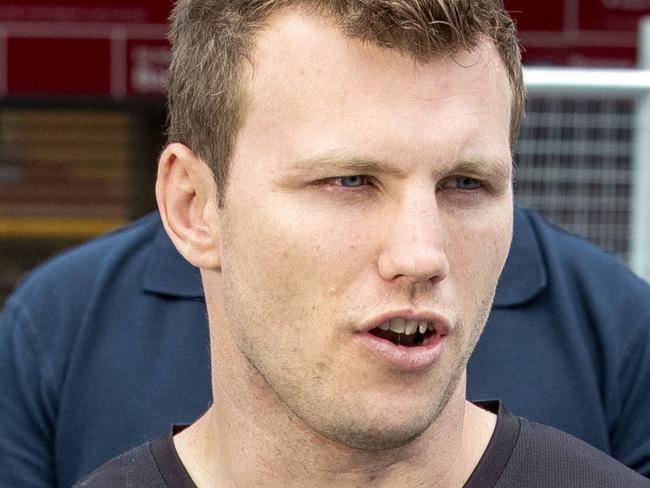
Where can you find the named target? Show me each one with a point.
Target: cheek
(477, 251)
(291, 253)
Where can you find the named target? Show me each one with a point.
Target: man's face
(366, 191)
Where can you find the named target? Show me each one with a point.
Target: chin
(380, 420)
(381, 435)
(375, 425)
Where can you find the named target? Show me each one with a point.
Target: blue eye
(467, 183)
(353, 181)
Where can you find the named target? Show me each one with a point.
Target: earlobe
(187, 200)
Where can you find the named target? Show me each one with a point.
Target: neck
(250, 438)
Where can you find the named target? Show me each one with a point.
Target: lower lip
(402, 357)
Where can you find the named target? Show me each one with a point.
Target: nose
(414, 250)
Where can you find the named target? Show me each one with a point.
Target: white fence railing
(584, 154)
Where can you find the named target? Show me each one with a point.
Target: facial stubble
(329, 420)
(379, 438)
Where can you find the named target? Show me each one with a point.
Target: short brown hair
(211, 39)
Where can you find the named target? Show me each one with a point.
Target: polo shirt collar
(523, 277)
(168, 273)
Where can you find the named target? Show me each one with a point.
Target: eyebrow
(497, 169)
(342, 162)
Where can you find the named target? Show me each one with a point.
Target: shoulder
(62, 289)
(133, 469)
(571, 267)
(578, 257)
(81, 264)
(74, 331)
(43, 317)
(544, 456)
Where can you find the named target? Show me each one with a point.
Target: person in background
(105, 347)
(346, 193)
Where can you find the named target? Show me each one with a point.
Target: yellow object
(60, 227)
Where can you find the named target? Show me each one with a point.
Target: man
(340, 172)
(102, 348)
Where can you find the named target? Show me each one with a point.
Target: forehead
(294, 43)
(308, 76)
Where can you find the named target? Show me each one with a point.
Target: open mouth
(406, 333)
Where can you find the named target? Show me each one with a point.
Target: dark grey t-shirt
(152, 465)
(521, 454)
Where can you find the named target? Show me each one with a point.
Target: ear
(187, 199)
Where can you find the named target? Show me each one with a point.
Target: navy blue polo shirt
(106, 346)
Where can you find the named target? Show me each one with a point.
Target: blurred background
(82, 120)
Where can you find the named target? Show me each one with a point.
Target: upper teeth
(403, 326)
